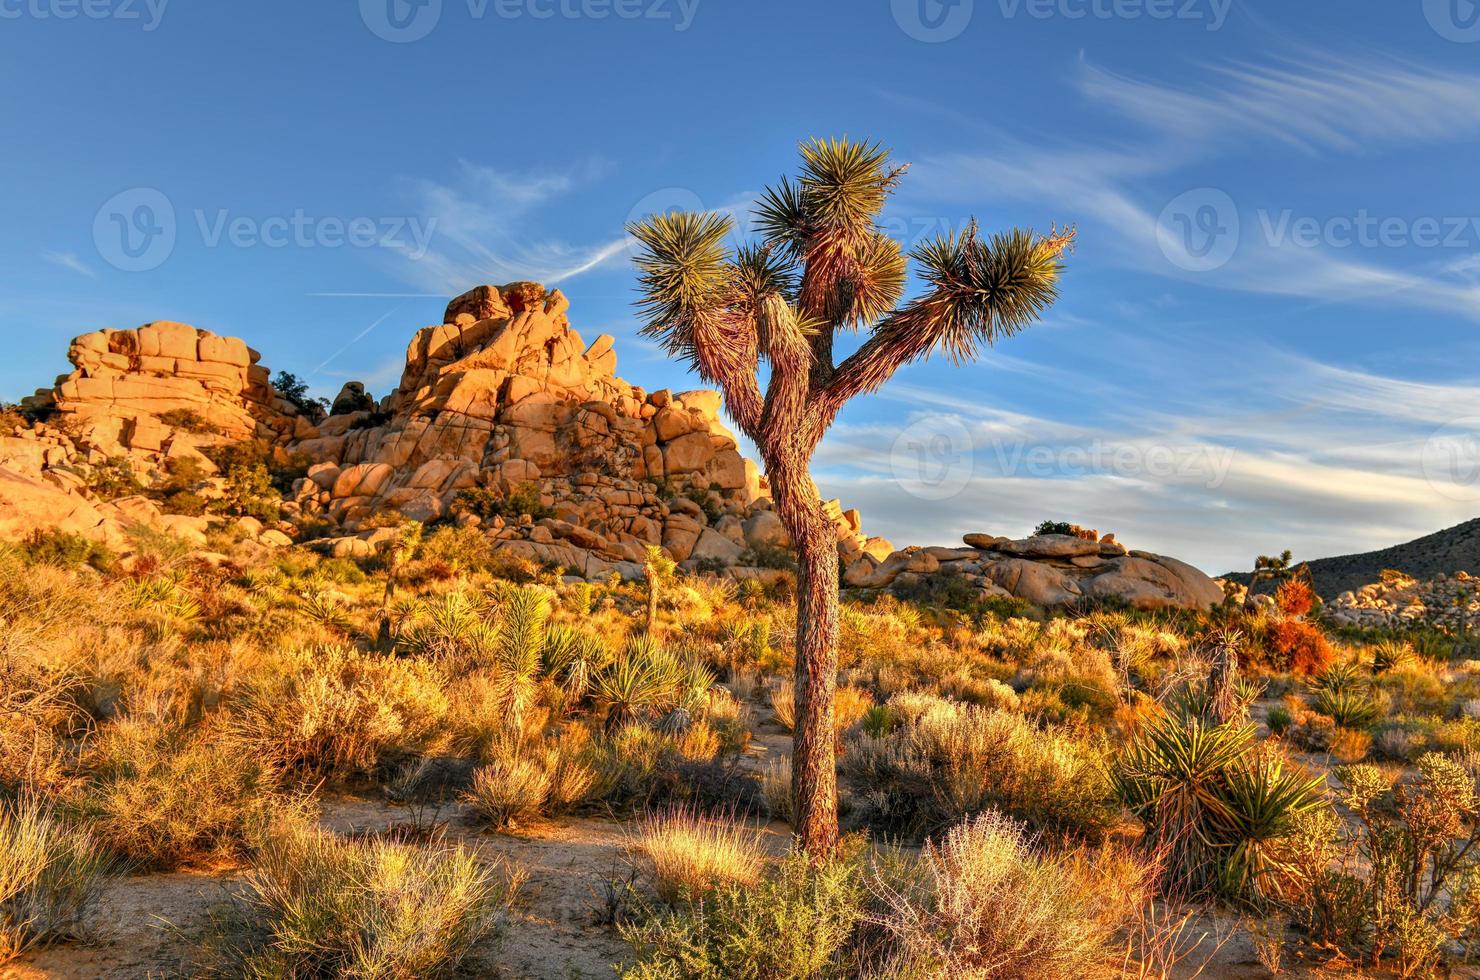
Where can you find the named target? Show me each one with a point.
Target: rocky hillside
(506, 421)
(1447, 552)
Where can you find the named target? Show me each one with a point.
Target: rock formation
(505, 419)
(1448, 602)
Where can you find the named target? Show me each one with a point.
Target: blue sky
(1267, 337)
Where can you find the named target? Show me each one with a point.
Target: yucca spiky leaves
(1214, 802)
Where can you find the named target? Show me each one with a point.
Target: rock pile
(148, 397)
(1047, 570)
(1448, 602)
(506, 398)
(129, 384)
(506, 420)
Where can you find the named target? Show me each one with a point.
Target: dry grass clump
(990, 906)
(51, 874)
(940, 762)
(687, 855)
(338, 712)
(776, 788)
(323, 906)
(849, 706)
(522, 782)
(162, 796)
(800, 920)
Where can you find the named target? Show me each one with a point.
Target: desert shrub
(1349, 745)
(1295, 598)
(638, 767)
(189, 420)
(51, 875)
(1215, 802)
(944, 761)
(163, 796)
(799, 921)
(989, 905)
(1299, 647)
(113, 478)
(295, 390)
(1279, 719)
(687, 855)
(1409, 887)
(490, 502)
(339, 712)
(38, 711)
(522, 782)
(1055, 527)
(63, 550)
(321, 906)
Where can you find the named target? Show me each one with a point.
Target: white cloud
(69, 260)
(1316, 103)
(1325, 461)
(483, 233)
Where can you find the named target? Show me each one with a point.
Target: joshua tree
(824, 266)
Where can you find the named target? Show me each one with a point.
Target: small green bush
(488, 503)
(799, 922)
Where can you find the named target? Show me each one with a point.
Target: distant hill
(1454, 549)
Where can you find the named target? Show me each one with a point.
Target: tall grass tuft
(688, 855)
(51, 874)
(326, 906)
(990, 906)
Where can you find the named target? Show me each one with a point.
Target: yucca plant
(823, 265)
(1213, 802)
(643, 680)
(1349, 707)
(1391, 654)
(572, 657)
(453, 626)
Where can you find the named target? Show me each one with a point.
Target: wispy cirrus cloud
(1327, 460)
(1316, 104)
(69, 261)
(482, 232)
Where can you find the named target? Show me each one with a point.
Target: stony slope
(1454, 549)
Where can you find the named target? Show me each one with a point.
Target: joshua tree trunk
(813, 761)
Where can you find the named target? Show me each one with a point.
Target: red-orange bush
(1295, 598)
(1300, 647)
